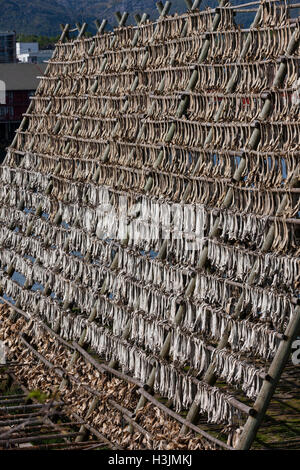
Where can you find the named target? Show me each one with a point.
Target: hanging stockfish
(234, 371)
(213, 402)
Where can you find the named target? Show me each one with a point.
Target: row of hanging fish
(130, 292)
(105, 222)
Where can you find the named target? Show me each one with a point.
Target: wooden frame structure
(187, 115)
(26, 424)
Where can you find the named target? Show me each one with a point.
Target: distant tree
(45, 42)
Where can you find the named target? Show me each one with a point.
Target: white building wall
(26, 47)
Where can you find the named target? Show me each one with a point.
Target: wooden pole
(210, 376)
(182, 420)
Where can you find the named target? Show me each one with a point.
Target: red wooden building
(20, 82)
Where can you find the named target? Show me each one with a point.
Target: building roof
(21, 76)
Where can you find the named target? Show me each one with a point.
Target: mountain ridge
(43, 18)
